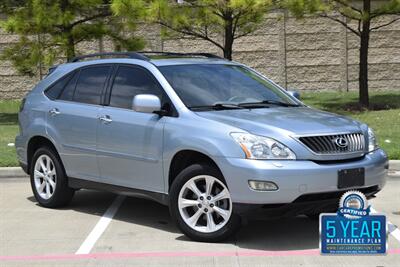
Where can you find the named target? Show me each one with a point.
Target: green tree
(364, 13)
(219, 22)
(50, 29)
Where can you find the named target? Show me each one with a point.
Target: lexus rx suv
(213, 139)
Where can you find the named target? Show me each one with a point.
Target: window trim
(107, 97)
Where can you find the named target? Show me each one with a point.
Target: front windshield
(201, 85)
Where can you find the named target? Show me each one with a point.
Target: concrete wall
(308, 54)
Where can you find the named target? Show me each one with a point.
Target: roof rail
(142, 55)
(207, 55)
(134, 55)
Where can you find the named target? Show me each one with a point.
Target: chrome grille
(334, 144)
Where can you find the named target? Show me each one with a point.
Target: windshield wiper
(267, 102)
(217, 106)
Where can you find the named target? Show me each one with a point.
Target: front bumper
(314, 203)
(296, 178)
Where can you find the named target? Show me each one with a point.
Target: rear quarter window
(55, 90)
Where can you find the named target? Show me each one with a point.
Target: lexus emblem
(341, 142)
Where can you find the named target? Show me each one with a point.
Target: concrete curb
(394, 165)
(12, 172)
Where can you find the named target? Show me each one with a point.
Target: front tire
(201, 205)
(48, 180)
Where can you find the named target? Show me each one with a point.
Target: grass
(384, 118)
(8, 131)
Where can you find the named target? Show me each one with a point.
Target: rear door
(72, 120)
(129, 143)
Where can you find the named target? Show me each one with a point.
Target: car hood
(292, 120)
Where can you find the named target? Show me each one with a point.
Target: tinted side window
(69, 89)
(129, 82)
(54, 91)
(90, 84)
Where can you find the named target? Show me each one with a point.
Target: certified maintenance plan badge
(353, 230)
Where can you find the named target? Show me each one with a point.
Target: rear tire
(48, 180)
(201, 206)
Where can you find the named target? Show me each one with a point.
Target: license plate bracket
(351, 178)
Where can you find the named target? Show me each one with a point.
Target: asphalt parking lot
(141, 234)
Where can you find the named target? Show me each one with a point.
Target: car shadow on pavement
(297, 233)
(87, 201)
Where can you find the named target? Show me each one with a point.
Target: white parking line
(393, 230)
(100, 227)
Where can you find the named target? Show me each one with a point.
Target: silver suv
(213, 139)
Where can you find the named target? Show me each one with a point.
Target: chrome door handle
(54, 111)
(105, 119)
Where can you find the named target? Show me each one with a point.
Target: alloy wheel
(45, 177)
(205, 204)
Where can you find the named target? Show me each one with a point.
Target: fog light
(263, 185)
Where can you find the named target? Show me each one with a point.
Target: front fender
(205, 136)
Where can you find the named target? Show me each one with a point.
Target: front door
(129, 143)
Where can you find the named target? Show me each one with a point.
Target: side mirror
(146, 103)
(295, 94)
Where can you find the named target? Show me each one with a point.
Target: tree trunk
(363, 65)
(40, 43)
(228, 43)
(67, 30)
(70, 47)
(228, 52)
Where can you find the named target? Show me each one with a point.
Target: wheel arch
(185, 158)
(36, 142)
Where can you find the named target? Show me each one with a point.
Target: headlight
(259, 147)
(372, 143)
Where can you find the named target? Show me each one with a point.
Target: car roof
(154, 61)
(58, 71)
(158, 62)
(142, 58)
